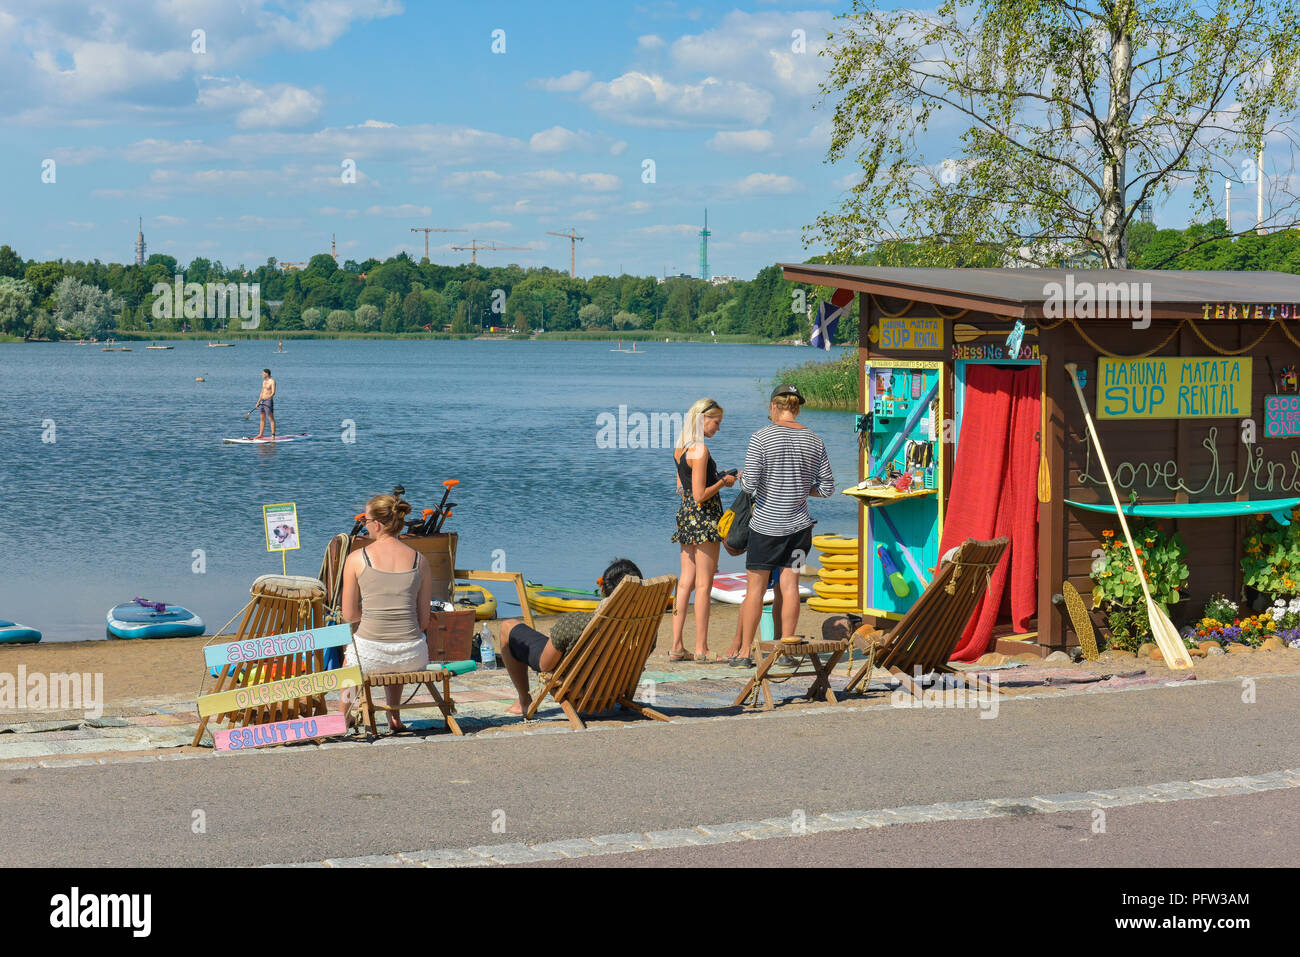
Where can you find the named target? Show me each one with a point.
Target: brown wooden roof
(1020, 292)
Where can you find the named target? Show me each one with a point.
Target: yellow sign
(1177, 387)
(911, 332)
(272, 692)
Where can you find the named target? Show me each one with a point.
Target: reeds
(826, 384)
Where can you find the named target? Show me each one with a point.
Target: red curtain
(995, 493)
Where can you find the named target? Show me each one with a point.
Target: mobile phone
(731, 472)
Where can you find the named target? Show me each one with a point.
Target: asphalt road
(310, 804)
(1255, 830)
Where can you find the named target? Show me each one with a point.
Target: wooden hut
(1190, 377)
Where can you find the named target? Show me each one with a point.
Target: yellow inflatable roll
(838, 575)
(836, 545)
(836, 589)
(840, 562)
(833, 605)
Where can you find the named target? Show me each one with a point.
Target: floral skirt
(697, 524)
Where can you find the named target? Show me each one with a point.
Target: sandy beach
(138, 670)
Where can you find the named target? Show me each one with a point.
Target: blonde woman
(698, 484)
(387, 587)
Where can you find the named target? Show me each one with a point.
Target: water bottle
(485, 649)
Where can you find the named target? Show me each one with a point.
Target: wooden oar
(1166, 635)
(1044, 476)
(965, 332)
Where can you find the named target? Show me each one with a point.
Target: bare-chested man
(266, 404)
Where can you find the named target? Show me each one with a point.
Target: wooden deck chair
(927, 635)
(603, 668)
(280, 604)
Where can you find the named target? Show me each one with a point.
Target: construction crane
(474, 246)
(573, 238)
(432, 229)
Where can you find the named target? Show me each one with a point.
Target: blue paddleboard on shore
(12, 633)
(133, 620)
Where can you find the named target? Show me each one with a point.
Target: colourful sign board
(275, 646)
(272, 692)
(1281, 416)
(280, 732)
(911, 332)
(281, 522)
(1174, 387)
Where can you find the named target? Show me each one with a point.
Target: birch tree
(1036, 129)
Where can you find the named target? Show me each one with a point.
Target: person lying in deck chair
(521, 647)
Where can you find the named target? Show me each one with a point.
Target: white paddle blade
(1167, 638)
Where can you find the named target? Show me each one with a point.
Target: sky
(281, 124)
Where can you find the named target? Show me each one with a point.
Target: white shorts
(387, 657)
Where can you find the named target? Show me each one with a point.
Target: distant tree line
(398, 295)
(83, 300)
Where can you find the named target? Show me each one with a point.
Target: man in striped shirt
(785, 464)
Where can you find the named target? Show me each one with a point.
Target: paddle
(250, 412)
(432, 524)
(1166, 635)
(1044, 476)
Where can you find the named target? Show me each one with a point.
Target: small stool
(812, 649)
(442, 702)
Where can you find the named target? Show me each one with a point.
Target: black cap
(788, 390)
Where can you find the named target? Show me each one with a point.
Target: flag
(828, 318)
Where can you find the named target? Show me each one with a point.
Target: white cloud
(765, 184)
(650, 41)
(254, 108)
(405, 209)
(170, 220)
(664, 229)
(649, 100)
(475, 177)
(618, 148)
(751, 141)
(843, 183)
(759, 48)
(72, 63)
(569, 83)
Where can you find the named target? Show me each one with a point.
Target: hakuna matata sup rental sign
(1174, 387)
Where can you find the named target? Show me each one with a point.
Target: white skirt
(387, 657)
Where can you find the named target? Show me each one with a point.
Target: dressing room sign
(1174, 387)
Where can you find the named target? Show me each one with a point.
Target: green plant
(1129, 627)
(1220, 608)
(1270, 559)
(1163, 559)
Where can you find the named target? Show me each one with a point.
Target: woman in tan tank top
(387, 587)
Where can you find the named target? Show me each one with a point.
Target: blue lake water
(137, 477)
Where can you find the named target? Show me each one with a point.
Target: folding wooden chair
(603, 668)
(927, 635)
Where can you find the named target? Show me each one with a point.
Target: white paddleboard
(730, 587)
(253, 440)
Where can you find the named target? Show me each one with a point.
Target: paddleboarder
(266, 404)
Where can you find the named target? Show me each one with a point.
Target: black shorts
(527, 644)
(778, 551)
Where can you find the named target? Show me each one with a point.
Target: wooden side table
(810, 649)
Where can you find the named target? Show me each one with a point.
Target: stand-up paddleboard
(730, 587)
(135, 620)
(254, 440)
(12, 633)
